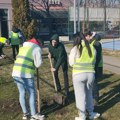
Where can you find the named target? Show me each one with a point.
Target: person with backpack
(82, 59)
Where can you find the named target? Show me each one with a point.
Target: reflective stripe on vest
(85, 63)
(25, 62)
(15, 38)
(3, 39)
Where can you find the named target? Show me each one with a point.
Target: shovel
(38, 90)
(53, 75)
(59, 99)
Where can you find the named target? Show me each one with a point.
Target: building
(61, 17)
(5, 17)
(56, 21)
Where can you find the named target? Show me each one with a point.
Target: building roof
(64, 5)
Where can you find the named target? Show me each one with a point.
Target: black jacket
(58, 53)
(97, 45)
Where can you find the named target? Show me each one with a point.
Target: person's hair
(15, 29)
(87, 32)
(33, 36)
(77, 38)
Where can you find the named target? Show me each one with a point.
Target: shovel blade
(59, 99)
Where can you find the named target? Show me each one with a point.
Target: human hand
(93, 34)
(6, 43)
(53, 69)
(49, 55)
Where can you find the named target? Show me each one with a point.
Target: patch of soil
(9, 105)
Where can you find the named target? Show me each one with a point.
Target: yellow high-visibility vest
(15, 38)
(85, 63)
(3, 39)
(25, 62)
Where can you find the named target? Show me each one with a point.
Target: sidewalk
(111, 63)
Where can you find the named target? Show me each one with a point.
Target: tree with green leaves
(22, 17)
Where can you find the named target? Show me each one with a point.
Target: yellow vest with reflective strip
(3, 39)
(85, 63)
(25, 62)
(15, 38)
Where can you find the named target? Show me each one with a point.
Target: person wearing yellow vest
(28, 58)
(14, 40)
(82, 59)
(95, 38)
(3, 41)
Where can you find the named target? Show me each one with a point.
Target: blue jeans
(26, 84)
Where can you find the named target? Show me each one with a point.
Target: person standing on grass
(28, 58)
(14, 40)
(3, 41)
(82, 59)
(95, 38)
(58, 53)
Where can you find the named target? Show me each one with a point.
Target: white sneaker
(1, 57)
(94, 115)
(79, 118)
(37, 117)
(26, 116)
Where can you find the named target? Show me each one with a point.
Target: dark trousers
(1, 49)
(96, 90)
(98, 77)
(15, 48)
(66, 81)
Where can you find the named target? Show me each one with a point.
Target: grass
(10, 109)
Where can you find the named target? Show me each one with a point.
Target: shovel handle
(53, 75)
(38, 90)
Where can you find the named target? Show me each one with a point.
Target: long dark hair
(77, 38)
(88, 32)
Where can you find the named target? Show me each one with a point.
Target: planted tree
(22, 17)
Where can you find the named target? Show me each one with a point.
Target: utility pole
(87, 10)
(74, 16)
(104, 4)
(78, 16)
(84, 17)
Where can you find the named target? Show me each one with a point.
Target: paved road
(112, 64)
